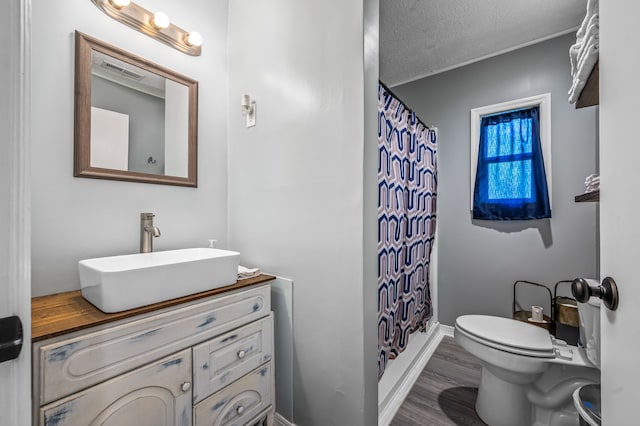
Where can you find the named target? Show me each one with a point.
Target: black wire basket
(524, 315)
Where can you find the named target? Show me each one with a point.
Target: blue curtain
(511, 183)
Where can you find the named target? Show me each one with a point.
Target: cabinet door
(157, 394)
(239, 403)
(225, 359)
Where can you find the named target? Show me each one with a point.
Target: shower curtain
(407, 185)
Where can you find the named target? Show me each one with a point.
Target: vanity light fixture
(248, 108)
(156, 25)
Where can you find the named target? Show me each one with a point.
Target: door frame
(619, 231)
(17, 387)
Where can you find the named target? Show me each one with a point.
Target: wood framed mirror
(134, 120)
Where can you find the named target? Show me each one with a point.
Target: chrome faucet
(147, 232)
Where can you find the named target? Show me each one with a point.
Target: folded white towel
(589, 28)
(573, 57)
(592, 36)
(244, 273)
(585, 66)
(584, 53)
(593, 7)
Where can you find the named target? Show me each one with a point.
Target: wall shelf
(589, 197)
(590, 94)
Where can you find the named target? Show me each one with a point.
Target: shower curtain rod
(406, 107)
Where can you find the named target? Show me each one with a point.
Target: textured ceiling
(419, 38)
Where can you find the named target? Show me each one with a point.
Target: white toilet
(528, 376)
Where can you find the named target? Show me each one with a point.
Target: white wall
(296, 188)
(76, 218)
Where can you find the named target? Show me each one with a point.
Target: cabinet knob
(240, 409)
(185, 386)
(241, 353)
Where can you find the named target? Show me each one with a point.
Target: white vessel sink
(118, 283)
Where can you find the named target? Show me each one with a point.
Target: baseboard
(389, 404)
(446, 330)
(279, 420)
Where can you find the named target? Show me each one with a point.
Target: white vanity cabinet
(203, 362)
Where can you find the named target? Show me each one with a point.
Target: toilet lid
(508, 333)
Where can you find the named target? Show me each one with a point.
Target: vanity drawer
(226, 358)
(239, 403)
(68, 365)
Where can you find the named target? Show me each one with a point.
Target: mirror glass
(135, 120)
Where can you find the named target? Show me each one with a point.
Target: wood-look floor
(445, 393)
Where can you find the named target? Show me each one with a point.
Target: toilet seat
(507, 335)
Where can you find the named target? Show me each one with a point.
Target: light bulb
(194, 39)
(160, 20)
(119, 4)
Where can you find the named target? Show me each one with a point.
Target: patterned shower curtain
(407, 185)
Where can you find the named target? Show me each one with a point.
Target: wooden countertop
(62, 313)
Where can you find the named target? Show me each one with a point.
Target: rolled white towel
(244, 273)
(592, 183)
(591, 178)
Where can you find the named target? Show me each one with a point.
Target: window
(510, 160)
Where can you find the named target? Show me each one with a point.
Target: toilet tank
(589, 314)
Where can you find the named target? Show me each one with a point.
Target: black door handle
(10, 338)
(608, 292)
